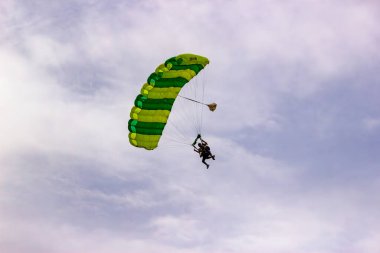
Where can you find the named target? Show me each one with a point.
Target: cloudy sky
(296, 134)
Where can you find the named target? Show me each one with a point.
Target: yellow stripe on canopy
(146, 141)
(160, 116)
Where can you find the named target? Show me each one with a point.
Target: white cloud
(371, 124)
(48, 52)
(179, 230)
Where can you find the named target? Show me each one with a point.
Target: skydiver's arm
(204, 142)
(195, 141)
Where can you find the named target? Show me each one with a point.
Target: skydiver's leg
(204, 161)
(209, 155)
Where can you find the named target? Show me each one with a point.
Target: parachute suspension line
(173, 146)
(175, 140)
(197, 105)
(194, 88)
(177, 131)
(203, 81)
(180, 126)
(175, 127)
(188, 120)
(174, 134)
(194, 93)
(190, 109)
(187, 112)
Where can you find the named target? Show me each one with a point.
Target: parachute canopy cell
(153, 105)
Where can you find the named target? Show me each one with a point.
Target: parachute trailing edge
(153, 105)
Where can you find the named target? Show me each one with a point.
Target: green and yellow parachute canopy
(155, 101)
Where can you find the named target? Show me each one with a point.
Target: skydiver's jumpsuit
(203, 150)
(206, 154)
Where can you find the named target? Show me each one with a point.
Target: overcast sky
(296, 133)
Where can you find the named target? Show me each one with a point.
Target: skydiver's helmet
(199, 145)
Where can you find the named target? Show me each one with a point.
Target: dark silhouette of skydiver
(203, 149)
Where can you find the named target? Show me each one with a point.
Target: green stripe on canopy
(154, 104)
(148, 128)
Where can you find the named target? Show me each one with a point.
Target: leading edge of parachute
(153, 105)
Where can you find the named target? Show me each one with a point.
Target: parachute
(153, 105)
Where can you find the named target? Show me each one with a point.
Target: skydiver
(203, 150)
